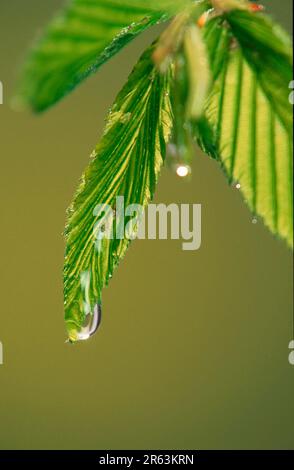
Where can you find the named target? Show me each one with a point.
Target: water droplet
(183, 170)
(291, 358)
(238, 186)
(91, 324)
(291, 355)
(254, 220)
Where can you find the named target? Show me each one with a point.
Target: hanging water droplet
(291, 355)
(254, 220)
(238, 186)
(178, 159)
(91, 324)
(183, 170)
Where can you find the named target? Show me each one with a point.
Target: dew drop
(254, 220)
(291, 358)
(238, 186)
(91, 324)
(291, 355)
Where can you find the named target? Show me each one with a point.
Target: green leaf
(84, 36)
(268, 51)
(125, 163)
(197, 59)
(248, 115)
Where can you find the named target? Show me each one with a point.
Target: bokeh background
(193, 350)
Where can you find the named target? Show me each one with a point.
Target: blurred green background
(193, 349)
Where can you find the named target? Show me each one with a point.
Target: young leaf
(268, 51)
(84, 36)
(125, 163)
(197, 59)
(250, 117)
